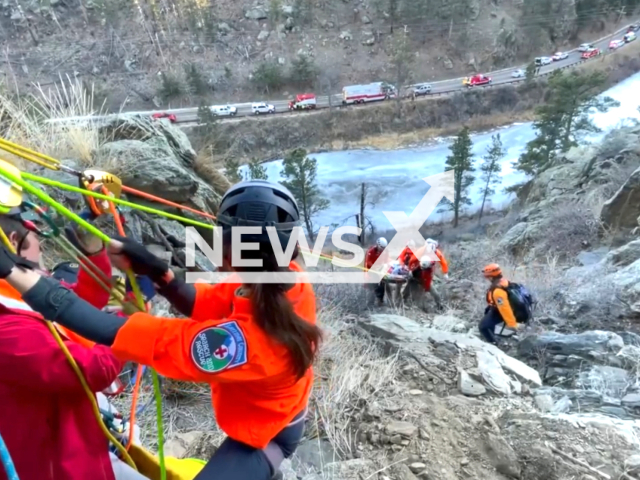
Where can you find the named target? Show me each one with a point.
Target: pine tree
(490, 169)
(267, 76)
(170, 87)
(195, 79)
(299, 172)
(461, 162)
(303, 71)
(232, 170)
(564, 119)
(402, 58)
(256, 170)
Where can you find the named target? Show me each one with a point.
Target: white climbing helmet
(426, 262)
(431, 244)
(411, 243)
(381, 243)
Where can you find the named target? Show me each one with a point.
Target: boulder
(631, 400)
(469, 386)
(584, 344)
(502, 456)
(131, 127)
(544, 402)
(257, 13)
(625, 283)
(152, 167)
(625, 255)
(404, 429)
(492, 373)
(611, 381)
(621, 210)
(263, 35)
(515, 238)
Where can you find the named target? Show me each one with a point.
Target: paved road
(189, 116)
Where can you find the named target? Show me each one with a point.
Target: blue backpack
(521, 302)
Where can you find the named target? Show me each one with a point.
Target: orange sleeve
(213, 301)
(184, 349)
(501, 300)
(443, 262)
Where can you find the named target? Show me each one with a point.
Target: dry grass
(352, 371)
(31, 121)
(206, 168)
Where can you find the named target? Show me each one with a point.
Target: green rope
(62, 210)
(119, 201)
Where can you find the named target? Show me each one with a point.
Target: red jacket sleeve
(31, 358)
(87, 288)
(369, 260)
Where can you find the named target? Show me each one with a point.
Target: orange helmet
(492, 270)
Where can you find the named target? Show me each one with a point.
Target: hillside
(157, 54)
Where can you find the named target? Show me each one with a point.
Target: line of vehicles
(377, 91)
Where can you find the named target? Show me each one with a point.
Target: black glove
(8, 260)
(143, 262)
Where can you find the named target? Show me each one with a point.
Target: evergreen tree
(299, 172)
(530, 72)
(490, 169)
(170, 87)
(303, 71)
(232, 170)
(256, 171)
(402, 58)
(564, 119)
(461, 162)
(267, 76)
(195, 79)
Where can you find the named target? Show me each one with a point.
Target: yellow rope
(94, 404)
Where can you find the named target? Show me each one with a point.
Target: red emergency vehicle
(303, 101)
(479, 80)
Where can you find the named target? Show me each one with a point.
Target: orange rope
(148, 196)
(136, 387)
(134, 404)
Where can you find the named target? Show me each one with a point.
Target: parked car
(615, 44)
(169, 116)
(423, 89)
(540, 61)
(258, 108)
(223, 110)
(519, 73)
(629, 37)
(560, 56)
(594, 52)
(584, 47)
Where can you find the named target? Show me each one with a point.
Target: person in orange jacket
(375, 252)
(422, 265)
(253, 343)
(498, 307)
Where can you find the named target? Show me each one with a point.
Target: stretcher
(177, 468)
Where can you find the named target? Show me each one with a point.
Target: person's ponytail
(274, 313)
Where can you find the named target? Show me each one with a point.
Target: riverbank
(389, 125)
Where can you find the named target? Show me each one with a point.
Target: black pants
(488, 324)
(237, 461)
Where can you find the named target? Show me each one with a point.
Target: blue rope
(9, 467)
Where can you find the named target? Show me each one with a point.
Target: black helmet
(259, 203)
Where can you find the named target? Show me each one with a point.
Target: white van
(258, 108)
(223, 110)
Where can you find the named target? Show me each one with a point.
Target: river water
(394, 178)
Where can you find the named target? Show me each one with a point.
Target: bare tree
(402, 58)
(328, 81)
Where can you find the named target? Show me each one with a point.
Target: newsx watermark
(407, 229)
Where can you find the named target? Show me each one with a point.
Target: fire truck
(477, 80)
(371, 92)
(304, 101)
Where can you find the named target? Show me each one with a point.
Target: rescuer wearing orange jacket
(254, 343)
(498, 307)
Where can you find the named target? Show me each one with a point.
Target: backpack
(521, 302)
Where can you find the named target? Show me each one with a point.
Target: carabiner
(53, 231)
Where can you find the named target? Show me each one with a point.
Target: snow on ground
(394, 178)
